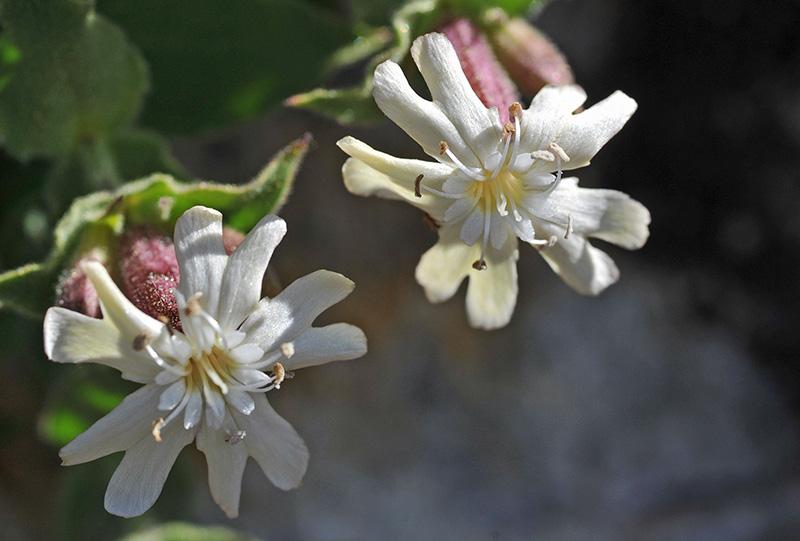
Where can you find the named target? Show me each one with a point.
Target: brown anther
(416, 185)
(236, 437)
(443, 148)
(515, 110)
(479, 264)
(158, 424)
(140, 342)
(508, 129)
(166, 321)
(279, 374)
(193, 304)
(431, 222)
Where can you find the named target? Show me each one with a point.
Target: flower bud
(149, 271)
(75, 292)
(532, 60)
(485, 74)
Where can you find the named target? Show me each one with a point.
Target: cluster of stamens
(203, 360)
(497, 186)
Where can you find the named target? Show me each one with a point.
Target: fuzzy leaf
(76, 77)
(155, 201)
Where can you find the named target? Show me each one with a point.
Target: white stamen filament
(469, 171)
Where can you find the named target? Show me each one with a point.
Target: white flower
(492, 184)
(208, 382)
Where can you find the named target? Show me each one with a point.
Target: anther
(508, 129)
(140, 342)
(559, 151)
(193, 304)
(443, 148)
(287, 348)
(479, 264)
(515, 109)
(166, 321)
(416, 185)
(279, 374)
(158, 424)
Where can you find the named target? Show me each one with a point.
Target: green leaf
(76, 77)
(178, 531)
(214, 63)
(355, 104)
(156, 201)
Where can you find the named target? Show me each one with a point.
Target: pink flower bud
(484, 73)
(75, 292)
(149, 271)
(532, 60)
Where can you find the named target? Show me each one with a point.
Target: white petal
(126, 424)
(274, 444)
(492, 292)
(587, 132)
(165, 377)
(548, 112)
(70, 337)
(194, 409)
(472, 229)
(439, 64)
(215, 407)
(241, 282)
(172, 395)
(443, 267)
(139, 478)
(130, 321)
(524, 230)
(604, 214)
(421, 119)
(226, 463)
(373, 173)
(499, 230)
(320, 345)
(251, 377)
(246, 353)
(201, 255)
(241, 400)
(295, 308)
(582, 266)
(459, 209)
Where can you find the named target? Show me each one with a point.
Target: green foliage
(75, 77)
(355, 104)
(214, 63)
(154, 201)
(178, 531)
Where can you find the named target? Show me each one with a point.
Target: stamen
(559, 151)
(479, 264)
(515, 110)
(287, 348)
(158, 424)
(444, 150)
(279, 375)
(502, 205)
(416, 186)
(140, 342)
(503, 157)
(545, 155)
(161, 363)
(193, 304)
(568, 232)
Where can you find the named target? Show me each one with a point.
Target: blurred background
(667, 408)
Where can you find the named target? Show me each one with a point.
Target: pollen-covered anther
(556, 148)
(479, 264)
(287, 348)
(509, 129)
(515, 110)
(443, 148)
(158, 424)
(417, 182)
(279, 374)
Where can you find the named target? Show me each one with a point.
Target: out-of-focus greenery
(96, 220)
(411, 19)
(178, 531)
